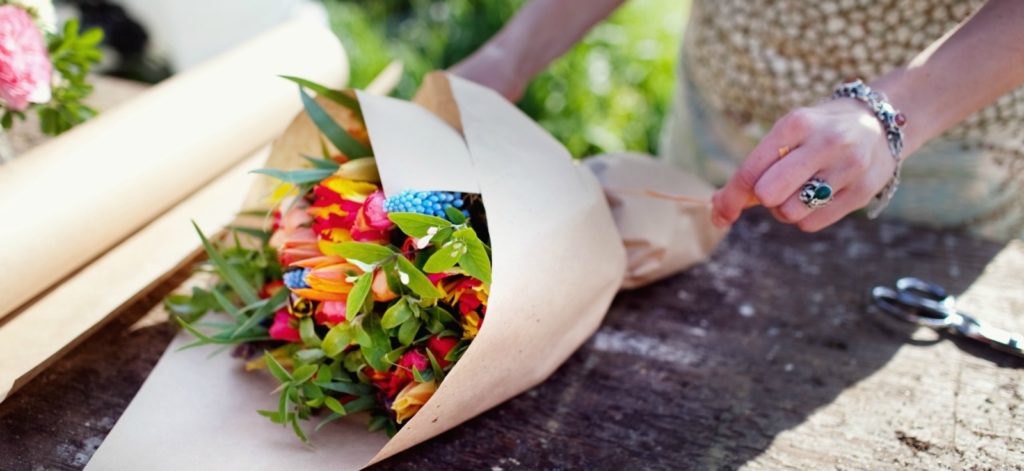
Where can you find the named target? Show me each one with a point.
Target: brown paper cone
(558, 261)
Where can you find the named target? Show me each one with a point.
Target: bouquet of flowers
(42, 68)
(355, 301)
(380, 284)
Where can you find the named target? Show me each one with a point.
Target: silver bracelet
(892, 121)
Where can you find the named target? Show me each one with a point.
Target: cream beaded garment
(745, 63)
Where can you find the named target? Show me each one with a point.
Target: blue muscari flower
(431, 203)
(296, 279)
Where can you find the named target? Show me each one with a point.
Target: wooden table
(764, 358)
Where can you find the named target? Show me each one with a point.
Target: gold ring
(783, 151)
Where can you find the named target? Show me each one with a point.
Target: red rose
(439, 347)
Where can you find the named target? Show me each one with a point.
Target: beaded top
(748, 62)
(757, 59)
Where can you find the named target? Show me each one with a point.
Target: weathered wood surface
(764, 358)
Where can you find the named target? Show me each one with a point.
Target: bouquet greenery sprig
(353, 301)
(45, 70)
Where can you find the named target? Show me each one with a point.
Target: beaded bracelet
(892, 120)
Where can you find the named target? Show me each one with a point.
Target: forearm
(543, 30)
(967, 69)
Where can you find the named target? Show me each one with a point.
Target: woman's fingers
(838, 177)
(844, 202)
(855, 196)
(786, 135)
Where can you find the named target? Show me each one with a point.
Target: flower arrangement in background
(43, 69)
(353, 301)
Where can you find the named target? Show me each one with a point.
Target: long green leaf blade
(228, 272)
(341, 139)
(336, 96)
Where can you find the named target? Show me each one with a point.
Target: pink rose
(24, 64)
(376, 217)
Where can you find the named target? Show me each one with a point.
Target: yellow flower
(411, 398)
(470, 325)
(350, 189)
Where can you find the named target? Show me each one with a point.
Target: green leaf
(412, 277)
(341, 139)
(417, 225)
(476, 262)
(455, 215)
(312, 391)
(422, 376)
(274, 416)
(330, 418)
(354, 361)
(398, 313)
(376, 342)
(298, 430)
(393, 356)
(227, 272)
(282, 403)
(297, 177)
(310, 355)
(364, 252)
(407, 333)
(361, 404)
(324, 164)
(303, 373)
(260, 234)
(276, 369)
(435, 366)
(336, 340)
(358, 296)
(446, 257)
(355, 389)
(334, 405)
(266, 307)
(307, 332)
(336, 96)
(323, 375)
(377, 423)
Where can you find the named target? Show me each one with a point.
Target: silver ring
(816, 193)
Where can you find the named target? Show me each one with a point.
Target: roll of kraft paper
(71, 199)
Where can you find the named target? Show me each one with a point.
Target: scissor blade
(996, 338)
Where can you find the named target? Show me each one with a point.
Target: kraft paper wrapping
(558, 261)
(130, 165)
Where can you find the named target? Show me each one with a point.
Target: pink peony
(24, 65)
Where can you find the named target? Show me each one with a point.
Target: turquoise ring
(816, 193)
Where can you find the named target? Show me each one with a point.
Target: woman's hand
(492, 68)
(839, 141)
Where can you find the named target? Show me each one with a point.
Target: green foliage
(72, 53)
(609, 93)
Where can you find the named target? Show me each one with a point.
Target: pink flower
(24, 65)
(282, 329)
(376, 217)
(330, 313)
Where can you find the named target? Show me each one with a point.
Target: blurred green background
(609, 93)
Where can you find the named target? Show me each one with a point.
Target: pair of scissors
(930, 305)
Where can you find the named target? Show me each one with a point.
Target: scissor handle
(923, 288)
(911, 307)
